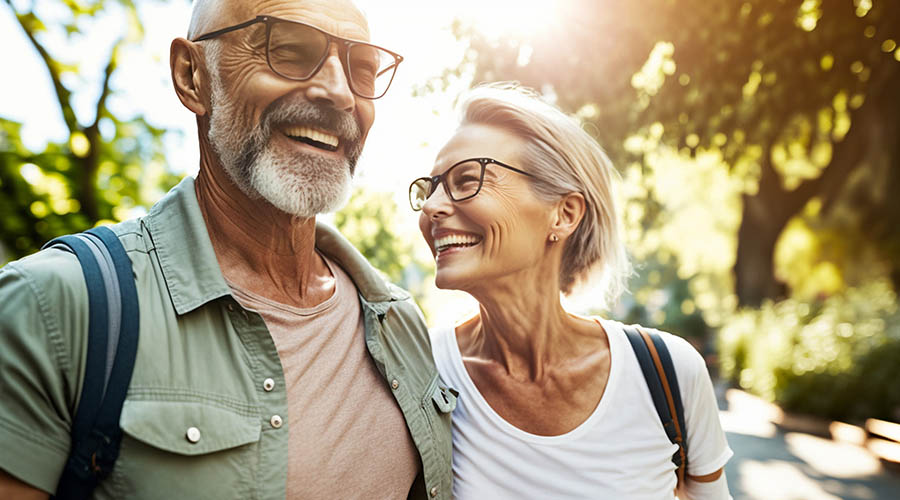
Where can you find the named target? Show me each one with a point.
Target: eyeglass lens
(461, 181)
(296, 50)
(419, 191)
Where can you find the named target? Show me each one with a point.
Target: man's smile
(313, 137)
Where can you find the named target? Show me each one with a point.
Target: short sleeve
(38, 377)
(708, 449)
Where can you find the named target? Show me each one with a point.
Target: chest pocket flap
(187, 428)
(444, 398)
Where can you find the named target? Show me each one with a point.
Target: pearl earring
(553, 238)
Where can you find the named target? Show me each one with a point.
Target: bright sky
(408, 130)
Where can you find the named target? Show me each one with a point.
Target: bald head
(210, 15)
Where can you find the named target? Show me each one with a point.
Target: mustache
(286, 110)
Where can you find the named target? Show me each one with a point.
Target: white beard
(299, 184)
(302, 187)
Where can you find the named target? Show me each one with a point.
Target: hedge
(838, 357)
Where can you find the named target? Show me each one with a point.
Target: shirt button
(276, 421)
(395, 384)
(433, 491)
(268, 384)
(193, 434)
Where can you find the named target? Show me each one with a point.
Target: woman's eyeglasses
(462, 181)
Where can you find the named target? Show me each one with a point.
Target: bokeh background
(758, 144)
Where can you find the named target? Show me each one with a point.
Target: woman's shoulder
(684, 355)
(690, 367)
(680, 349)
(687, 360)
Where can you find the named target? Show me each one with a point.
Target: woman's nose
(438, 203)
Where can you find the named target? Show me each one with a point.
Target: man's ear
(187, 75)
(569, 212)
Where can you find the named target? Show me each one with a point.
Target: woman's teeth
(455, 240)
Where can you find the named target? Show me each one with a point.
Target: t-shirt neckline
(611, 385)
(299, 311)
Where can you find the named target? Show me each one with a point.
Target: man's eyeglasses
(297, 51)
(462, 181)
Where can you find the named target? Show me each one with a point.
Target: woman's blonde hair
(564, 159)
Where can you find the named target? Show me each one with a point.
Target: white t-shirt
(621, 451)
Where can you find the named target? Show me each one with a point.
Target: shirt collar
(189, 264)
(372, 287)
(185, 252)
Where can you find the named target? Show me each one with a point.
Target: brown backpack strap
(679, 435)
(659, 374)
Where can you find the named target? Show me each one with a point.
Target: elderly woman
(519, 208)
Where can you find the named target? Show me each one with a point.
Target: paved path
(770, 464)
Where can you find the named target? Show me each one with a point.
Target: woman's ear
(569, 212)
(187, 75)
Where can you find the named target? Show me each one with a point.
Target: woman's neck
(526, 330)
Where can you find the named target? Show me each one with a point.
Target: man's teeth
(455, 240)
(310, 133)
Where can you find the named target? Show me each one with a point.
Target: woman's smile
(448, 243)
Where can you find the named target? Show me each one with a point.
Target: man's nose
(331, 85)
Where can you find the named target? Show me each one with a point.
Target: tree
(798, 97)
(366, 221)
(107, 167)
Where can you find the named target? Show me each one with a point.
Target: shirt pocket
(182, 449)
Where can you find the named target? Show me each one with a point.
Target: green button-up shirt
(198, 419)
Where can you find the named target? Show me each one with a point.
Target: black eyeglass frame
(345, 42)
(436, 180)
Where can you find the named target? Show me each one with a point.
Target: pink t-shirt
(347, 436)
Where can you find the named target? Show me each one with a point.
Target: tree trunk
(754, 267)
(766, 213)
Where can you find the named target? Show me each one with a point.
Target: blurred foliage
(662, 299)
(107, 169)
(681, 239)
(796, 101)
(366, 221)
(838, 357)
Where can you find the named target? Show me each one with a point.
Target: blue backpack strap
(672, 379)
(659, 373)
(113, 324)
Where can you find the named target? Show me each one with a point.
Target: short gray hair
(564, 159)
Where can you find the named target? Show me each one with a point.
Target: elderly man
(273, 361)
